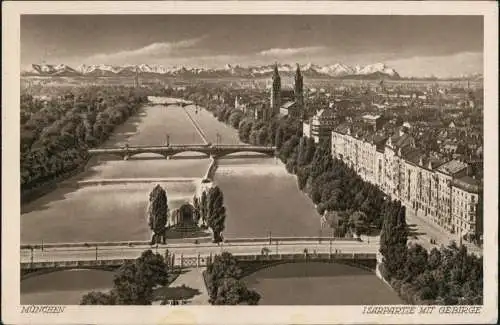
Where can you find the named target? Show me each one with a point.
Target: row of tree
(134, 282)
(331, 184)
(448, 275)
(224, 286)
(56, 132)
(207, 211)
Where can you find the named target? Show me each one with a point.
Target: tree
(235, 118)
(233, 292)
(223, 284)
(216, 213)
(434, 259)
(196, 210)
(223, 266)
(98, 298)
(416, 262)
(204, 207)
(302, 176)
(151, 269)
(244, 130)
(157, 214)
(134, 282)
(278, 139)
(128, 290)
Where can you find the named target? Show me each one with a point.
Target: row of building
(445, 193)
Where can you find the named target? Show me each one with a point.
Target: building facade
(465, 194)
(320, 126)
(438, 191)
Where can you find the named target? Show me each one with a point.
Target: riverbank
(29, 195)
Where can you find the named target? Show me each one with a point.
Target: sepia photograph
(329, 159)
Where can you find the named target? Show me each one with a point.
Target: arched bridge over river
(214, 151)
(257, 253)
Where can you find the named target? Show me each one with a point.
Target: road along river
(104, 204)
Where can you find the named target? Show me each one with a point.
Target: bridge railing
(202, 240)
(181, 261)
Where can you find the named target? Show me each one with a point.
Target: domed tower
(299, 91)
(276, 92)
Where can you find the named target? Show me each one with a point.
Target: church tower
(299, 92)
(275, 92)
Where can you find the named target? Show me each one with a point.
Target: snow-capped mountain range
(338, 70)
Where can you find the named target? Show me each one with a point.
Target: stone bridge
(248, 262)
(214, 151)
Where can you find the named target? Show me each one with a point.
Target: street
(123, 252)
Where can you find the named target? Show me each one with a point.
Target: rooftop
(287, 105)
(401, 140)
(452, 167)
(467, 184)
(325, 113)
(371, 117)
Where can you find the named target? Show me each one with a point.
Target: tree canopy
(133, 283)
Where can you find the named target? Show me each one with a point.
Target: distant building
(373, 120)
(239, 105)
(320, 126)
(288, 108)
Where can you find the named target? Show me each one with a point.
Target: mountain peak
(336, 70)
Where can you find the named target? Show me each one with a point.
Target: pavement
(192, 250)
(427, 230)
(192, 280)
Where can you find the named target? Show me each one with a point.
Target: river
(260, 197)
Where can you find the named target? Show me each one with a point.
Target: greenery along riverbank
(56, 132)
(330, 184)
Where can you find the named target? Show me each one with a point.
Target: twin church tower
(287, 102)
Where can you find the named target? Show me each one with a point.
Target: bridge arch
(249, 267)
(146, 155)
(243, 153)
(30, 273)
(180, 153)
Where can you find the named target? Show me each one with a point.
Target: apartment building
(320, 125)
(437, 190)
(465, 192)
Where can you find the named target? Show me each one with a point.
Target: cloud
(143, 54)
(440, 66)
(285, 52)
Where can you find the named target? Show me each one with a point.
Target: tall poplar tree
(203, 207)
(216, 213)
(157, 214)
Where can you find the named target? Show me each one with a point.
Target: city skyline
(415, 46)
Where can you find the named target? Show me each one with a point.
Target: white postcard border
(11, 310)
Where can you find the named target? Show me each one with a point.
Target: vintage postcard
(249, 162)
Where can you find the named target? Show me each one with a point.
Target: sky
(413, 45)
